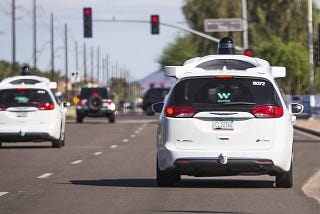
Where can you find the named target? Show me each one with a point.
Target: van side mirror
(295, 108)
(65, 104)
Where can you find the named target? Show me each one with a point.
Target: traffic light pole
(203, 35)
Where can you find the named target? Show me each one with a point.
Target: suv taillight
(46, 106)
(80, 102)
(268, 111)
(179, 111)
(109, 101)
(3, 107)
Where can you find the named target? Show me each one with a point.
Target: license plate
(223, 125)
(22, 114)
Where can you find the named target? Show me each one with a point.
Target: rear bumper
(216, 167)
(91, 113)
(25, 137)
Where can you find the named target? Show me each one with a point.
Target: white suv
(225, 116)
(30, 112)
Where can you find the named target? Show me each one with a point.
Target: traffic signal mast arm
(203, 35)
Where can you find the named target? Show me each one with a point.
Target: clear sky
(129, 46)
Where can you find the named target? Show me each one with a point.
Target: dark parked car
(153, 95)
(95, 102)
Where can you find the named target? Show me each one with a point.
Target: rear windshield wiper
(238, 103)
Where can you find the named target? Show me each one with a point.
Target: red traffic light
(154, 18)
(155, 24)
(87, 22)
(248, 52)
(87, 11)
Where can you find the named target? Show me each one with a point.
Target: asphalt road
(110, 168)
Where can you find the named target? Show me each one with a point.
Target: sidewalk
(310, 126)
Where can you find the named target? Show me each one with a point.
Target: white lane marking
(98, 153)
(113, 146)
(132, 136)
(125, 140)
(76, 162)
(137, 132)
(311, 187)
(45, 175)
(3, 193)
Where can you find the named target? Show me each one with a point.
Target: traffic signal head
(154, 24)
(248, 52)
(87, 22)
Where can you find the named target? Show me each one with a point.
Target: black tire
(149, 111)
(80, 118)
(0, 144)
(285, 179)
(95, 103)
(56, 143)
(112, 118)
(166, 178)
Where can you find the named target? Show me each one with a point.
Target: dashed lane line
(45, 175)
(3, 193)
(113, 146)
(76, 162)
(311, 187)
(97, 153)
(132, 136)
(125, 140)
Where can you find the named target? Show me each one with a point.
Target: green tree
(294, 57)
(285, 19)
(179, 51)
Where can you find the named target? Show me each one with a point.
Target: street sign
(222, 25)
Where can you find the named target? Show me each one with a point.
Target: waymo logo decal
(224, 95)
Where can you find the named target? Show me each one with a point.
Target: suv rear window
(21, 98)
(157, 92)
(205, 94)
(86, 93)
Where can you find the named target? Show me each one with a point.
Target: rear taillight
(46, 106)
(179, 111)
(3, 107)
(80, 102)
(268, 111)
(109, 101)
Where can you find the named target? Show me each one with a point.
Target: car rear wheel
(56, 143)
(80, 118)
(285, 179)
(166, 178)
(112, 118)
(149, 111)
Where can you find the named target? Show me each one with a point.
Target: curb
(310, 131)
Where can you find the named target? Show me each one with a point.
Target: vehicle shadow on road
(184, 183)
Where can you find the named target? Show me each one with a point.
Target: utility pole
(310, 30)
(107, 64)
(52, 49)
(77, 59)
(85, 63)
(245, 24)
(66, 57)
(98, 64)
(91, 65)
(13, 37)
(34, 36)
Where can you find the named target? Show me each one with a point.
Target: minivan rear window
(24, 97)
(224, 94)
